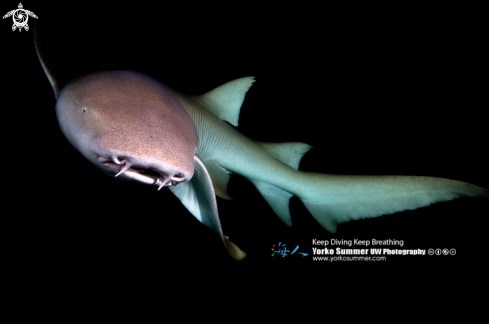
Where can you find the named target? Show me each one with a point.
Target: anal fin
(277, 198)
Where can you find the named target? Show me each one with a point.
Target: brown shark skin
(131, 117)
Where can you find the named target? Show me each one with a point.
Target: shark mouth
(131, 171)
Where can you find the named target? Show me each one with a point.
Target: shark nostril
(178, 177)
(117, 160)
(102, 159)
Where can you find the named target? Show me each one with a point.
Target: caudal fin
(335, 199)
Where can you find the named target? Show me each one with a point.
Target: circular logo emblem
(20, 17)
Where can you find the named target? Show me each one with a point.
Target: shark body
(202, 163)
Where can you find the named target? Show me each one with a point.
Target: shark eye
(84, 110)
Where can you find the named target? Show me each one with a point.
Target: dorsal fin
(290, 153)
(225, 101)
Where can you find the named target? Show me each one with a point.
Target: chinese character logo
(282, 250)
(20, 17)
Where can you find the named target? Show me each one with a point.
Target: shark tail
(336, 199)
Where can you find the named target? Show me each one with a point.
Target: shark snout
(130, 168)
(130, 126)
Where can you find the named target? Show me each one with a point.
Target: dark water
(371, 99)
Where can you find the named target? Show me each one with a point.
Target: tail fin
(335, 199)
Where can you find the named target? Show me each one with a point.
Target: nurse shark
(135, 128)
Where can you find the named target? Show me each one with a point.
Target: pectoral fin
(200, 199)
(56, 81)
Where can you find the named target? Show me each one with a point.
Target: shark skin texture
(278, 162)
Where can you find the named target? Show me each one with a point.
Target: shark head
(130, 126)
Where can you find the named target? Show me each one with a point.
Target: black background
(373, 93)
